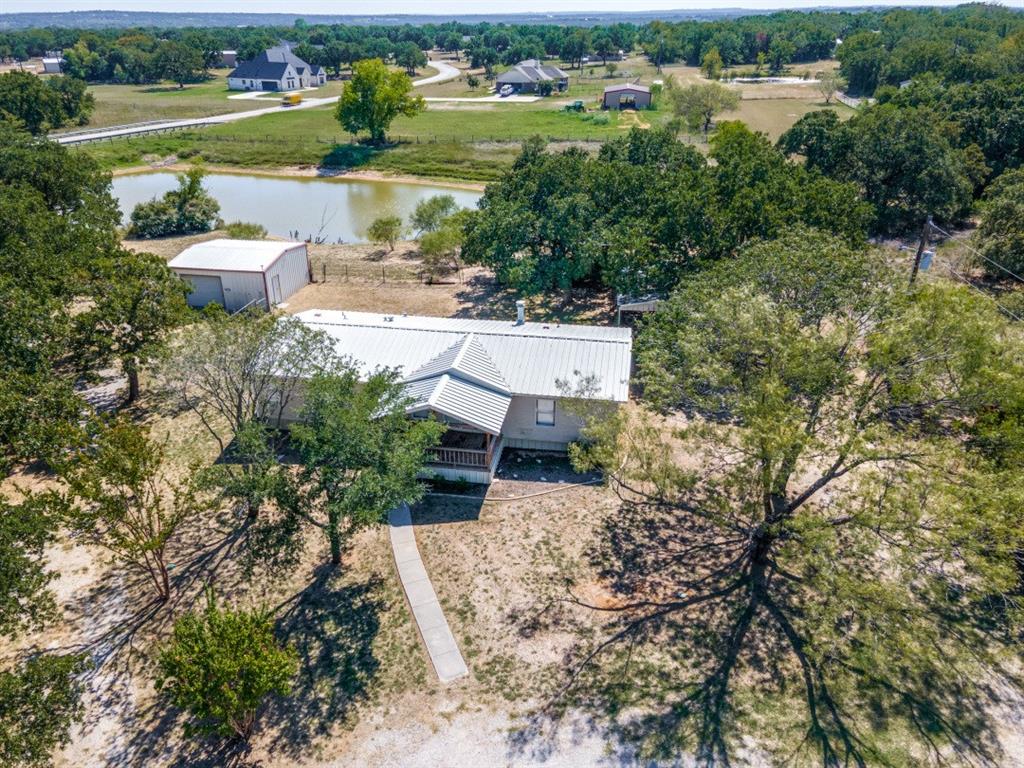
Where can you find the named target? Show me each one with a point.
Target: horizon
(453, 8)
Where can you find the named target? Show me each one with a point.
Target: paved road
(445, 72)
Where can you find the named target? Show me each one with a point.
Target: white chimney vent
(520, 312)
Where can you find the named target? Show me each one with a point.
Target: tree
(604, 46)
(816, 136)
(431, 212)
(410, 56)
(440, 245)
(711, 64)
(233, 371)
(185, 210)
(125, 501)
(40, 700)
(221, 665)
(386, 229)
(1001, 233)
(699, 103)
(473, 81)
(374, 97)
(611, 67)
(360, 452)
(902, 158)
(829, 83)
(27, 528)
(179, 63)
(780, 53)
(576, 46)
(27, 98)
(142, 300)
(57, 220)
(842, 547)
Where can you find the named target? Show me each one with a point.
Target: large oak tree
(821, 552)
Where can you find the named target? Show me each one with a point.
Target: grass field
(464, 141)
(124, 104)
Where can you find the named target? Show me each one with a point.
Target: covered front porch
(466, 448)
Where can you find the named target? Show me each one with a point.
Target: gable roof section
(460, 400)
(531, 71)
(271, 64)
(627, 87)
(260, 70)
(530, 358)
(463, 384)
(468, 360)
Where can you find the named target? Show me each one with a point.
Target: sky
(434, 7)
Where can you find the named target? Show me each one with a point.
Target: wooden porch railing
(465, 457)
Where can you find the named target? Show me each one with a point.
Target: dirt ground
(367, 277)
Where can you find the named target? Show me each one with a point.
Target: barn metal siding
(292, 268)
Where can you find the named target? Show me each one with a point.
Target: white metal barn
(240, 273)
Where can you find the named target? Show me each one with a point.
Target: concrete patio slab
(426, 609)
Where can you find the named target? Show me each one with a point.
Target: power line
(979, 253)
(1003, 309)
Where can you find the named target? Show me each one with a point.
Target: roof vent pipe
(520, 312)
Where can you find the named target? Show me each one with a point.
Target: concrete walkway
(437, 636)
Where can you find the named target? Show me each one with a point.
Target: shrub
(157, 218)
(182, 211)
(245, 230)
(221, 665)
(386, 229)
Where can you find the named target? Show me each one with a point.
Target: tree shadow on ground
(691, 657)
(332, 626)
(451, 508)
(486, 299)
(350, 155)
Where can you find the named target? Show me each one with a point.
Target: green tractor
(576, 106)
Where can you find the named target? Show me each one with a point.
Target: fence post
(383, 277)
(324, 271)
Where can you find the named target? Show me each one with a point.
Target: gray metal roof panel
(531, 358)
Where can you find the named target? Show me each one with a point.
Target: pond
(337, 209)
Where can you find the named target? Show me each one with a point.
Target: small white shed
(241, 273)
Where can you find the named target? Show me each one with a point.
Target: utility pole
(925, 231)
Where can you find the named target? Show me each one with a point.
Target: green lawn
(123, 104)
(473, 145)
(473, 142)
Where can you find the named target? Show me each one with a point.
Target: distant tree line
(878, 47)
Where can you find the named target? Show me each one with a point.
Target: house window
(545, 413)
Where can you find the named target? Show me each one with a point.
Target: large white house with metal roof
(496, 384)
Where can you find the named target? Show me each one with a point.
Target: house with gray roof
(496, 384)
(526, 77)
(276, 69)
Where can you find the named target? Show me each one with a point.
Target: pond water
(336, 208)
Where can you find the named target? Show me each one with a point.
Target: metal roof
(627, 87)
(468, 360)
(460, 400)
(530, 358)
(232, 255)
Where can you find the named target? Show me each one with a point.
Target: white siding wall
(240, 288)
(521, 429)
(293, 271)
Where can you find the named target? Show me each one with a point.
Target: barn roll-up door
(206, 289)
